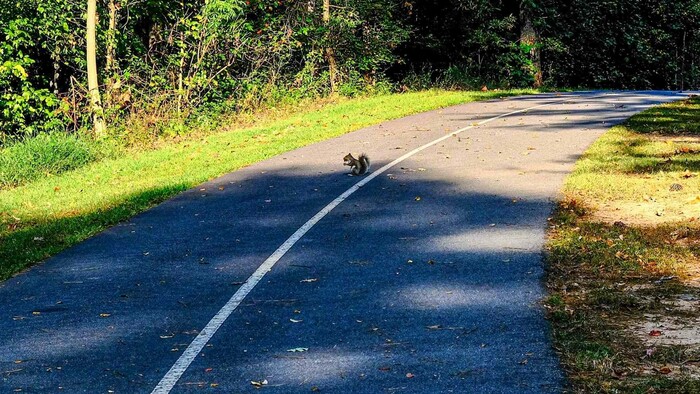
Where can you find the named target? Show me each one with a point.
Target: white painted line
(173, 375)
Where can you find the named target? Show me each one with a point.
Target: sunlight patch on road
(443, 296)
(491, 239)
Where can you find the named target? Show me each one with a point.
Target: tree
(330, 54)
(93, 85)
(530, 42)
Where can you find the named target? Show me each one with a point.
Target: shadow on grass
(663, 139)
(643, 156)
(682, 118)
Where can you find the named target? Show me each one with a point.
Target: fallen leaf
(619, 374)
(258, 384)
(665, 370)
(654, 333)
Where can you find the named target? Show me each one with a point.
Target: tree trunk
(110, 51)
(330, 54)
(93, 86)
(180, 75)
(529, 37)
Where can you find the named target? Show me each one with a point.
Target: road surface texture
(427, 279)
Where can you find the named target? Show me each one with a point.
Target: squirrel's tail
(364, 163)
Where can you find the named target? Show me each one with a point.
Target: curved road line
(168, 381)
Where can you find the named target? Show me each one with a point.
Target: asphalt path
(428, 278)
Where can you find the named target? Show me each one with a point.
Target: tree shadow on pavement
(412, 283)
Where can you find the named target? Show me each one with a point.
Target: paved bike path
(427, 279)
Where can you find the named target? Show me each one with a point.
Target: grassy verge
(48, 215)
(624, 258)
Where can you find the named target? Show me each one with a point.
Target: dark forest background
(168, 62)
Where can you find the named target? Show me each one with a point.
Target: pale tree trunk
(180, 76)
(110, 50)
(529, 36)
(330, 54)
(93, 86)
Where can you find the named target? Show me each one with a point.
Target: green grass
(648, 153)
(619, 230)
(46, 155)
(50, 214)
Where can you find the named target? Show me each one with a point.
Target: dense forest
(152, 66)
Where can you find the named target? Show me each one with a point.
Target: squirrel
(358, 166)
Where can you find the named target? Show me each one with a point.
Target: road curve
(426, 279)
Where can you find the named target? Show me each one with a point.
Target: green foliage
(171, 59)
(36, 44)
(24, 110)
(365, 35)
(465, 43)
(622, 44)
